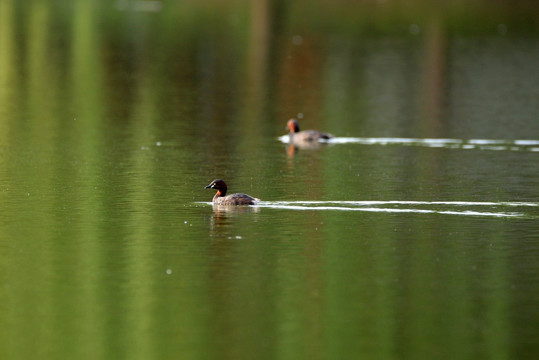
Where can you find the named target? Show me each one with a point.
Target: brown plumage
(221, 198)
(297, 136)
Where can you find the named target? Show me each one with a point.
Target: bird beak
(208, 187)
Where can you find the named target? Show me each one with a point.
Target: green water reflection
(115, 115)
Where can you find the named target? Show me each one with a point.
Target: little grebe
(304, 136)
(221, 198)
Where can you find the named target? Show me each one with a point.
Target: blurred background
(114, 115)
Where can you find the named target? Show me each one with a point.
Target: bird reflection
(233, 210)
(224, 215)
(293, 148)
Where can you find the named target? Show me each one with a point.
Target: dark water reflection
(414, 234)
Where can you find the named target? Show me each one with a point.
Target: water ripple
(397, 210)
(406, 202)
(461, 208)
(478, 144)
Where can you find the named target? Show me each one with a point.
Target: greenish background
(114, 115)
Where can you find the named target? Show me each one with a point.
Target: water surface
(413, 234)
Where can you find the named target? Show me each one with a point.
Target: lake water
(414, 234)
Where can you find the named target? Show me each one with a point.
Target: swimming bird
(305, 136)
(221, 198)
